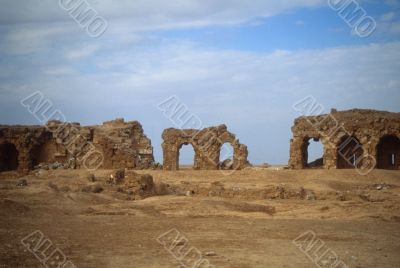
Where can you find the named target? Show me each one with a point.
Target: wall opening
(226, 156)
(349, 153)
(44, 153)
(388, 153)
(313, 153)
(8, 157)
(186, 157)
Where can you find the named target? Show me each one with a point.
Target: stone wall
(115, 144)
(351, 139)
(207, 144)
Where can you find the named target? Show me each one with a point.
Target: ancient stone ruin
(115, 144)
(207, 144)
(362, 139)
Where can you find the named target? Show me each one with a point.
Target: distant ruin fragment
(207, 144)
(351, 139)
(115, 144)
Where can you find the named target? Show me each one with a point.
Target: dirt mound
(8, 206)
(245, 207)
(138, 186)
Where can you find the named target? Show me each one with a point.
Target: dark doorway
(349, 153)
(388, 153)
(8, 157)
(44, 153)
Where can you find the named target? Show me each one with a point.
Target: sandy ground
(245, 219)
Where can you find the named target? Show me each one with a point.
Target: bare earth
(246, 219)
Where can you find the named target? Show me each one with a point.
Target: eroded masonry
(350, 139)
(115, 144)
(207, 144)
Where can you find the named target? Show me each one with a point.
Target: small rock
(97, 189)
(180, 243)
(119, 175)
(210, 254)
(324, 263)
(22, 183)
(53, 186)
(379, 187)
(55, 165)
(341, 196)
(311, 196)
(91, 178)
(189, 193)
(92, 189)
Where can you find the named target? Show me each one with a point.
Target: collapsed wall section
(115, 144)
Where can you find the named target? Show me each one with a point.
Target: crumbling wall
(115, 144)
(351, 139)
(207, 144)
(123, 144)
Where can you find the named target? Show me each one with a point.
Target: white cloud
(60, 71)
(155, 14)
(392, 3)
(27, 39)
(84, 50)
(388, 16)
(246, 90)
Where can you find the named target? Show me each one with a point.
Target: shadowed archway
(388, 152)
(8, 157)
(349, 153)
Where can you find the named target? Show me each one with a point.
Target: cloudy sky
(241, 63)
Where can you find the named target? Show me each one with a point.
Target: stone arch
(227, 154)
(349, 152)
(44, 153)
(195, 157)
(8, 157)
(319, 163)
(388, 152)
(207, 145)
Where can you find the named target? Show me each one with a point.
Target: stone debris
(22, 183)
(210, 254)
(93, 188)
(91, 177)
(138, 186)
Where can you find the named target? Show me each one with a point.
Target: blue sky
(241, 63)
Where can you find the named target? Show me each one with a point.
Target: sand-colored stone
(365, 138)
(115, 144)
(207, 144)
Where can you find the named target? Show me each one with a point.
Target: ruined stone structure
(351, 139)
(115, 144)
(207, 144)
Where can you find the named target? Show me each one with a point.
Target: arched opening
(312, 153)
(186, 156)
(349, 153)
(8, 157)
(226, 156)
(44, 153)
(388, 152)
